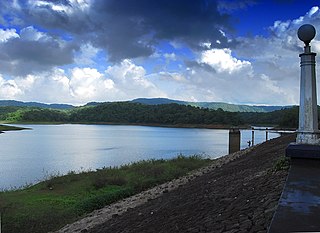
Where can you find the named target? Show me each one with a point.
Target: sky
(79, 51)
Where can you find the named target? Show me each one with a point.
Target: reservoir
(30, 156)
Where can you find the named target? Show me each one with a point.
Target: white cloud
(222, 60)
(86, 55)
(131, 81)
(32, 34)
(7, 34)
(313, 10)
(170, 56)
(71, 8)
(207, 45)
(280, 27)
(126, 71)
(88, 84)
(8, 89)
(123, 81)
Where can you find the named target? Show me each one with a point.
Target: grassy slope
(57, 201)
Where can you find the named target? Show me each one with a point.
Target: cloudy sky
(77, 51)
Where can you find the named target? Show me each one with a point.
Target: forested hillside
(154, 101)
(136, 113)
(153, 114)
(211, 105)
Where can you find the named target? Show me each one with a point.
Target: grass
(282, 164)
(59, 200)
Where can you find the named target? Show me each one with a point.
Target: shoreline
(187, 126)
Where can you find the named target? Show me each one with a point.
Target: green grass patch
(282, 164)
(59, 200)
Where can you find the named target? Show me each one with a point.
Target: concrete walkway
(299, 206)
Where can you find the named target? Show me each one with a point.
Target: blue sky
(77, 51)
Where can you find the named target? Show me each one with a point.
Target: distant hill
(157, 101)
(153, 101)
(211, 105)
(6, 103)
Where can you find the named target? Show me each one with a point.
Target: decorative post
(252, 136)
(307, 143)
(308, 132)
(266, 134)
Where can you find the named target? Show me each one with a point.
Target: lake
(29, 156)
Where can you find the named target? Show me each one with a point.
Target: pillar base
(304, 151)
(310, 138)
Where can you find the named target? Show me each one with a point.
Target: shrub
(97, 202)
(282, 163)
(101, 179)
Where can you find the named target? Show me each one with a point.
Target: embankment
(238, 193)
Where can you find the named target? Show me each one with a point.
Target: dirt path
(240, 196)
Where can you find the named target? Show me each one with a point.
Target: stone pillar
(307, 144)
(308, 132)
(234, 140)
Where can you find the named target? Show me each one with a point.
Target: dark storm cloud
(132, 28)
(188, 21)
(22, 57)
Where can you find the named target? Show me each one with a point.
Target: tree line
(136, 113)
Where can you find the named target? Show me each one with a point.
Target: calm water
(28, 156)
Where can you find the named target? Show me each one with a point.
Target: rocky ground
(237, 193)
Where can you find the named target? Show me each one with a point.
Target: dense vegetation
(169, 114)
(136, 113)
(57, 201)
(286, 118)
(156, 101)
(211, 105)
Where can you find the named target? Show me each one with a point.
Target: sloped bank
(237, 193)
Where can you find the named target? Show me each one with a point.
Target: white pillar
(308, 132)
(307, 144)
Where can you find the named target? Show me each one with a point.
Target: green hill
(6, 103)
(155, 101)
(211, 105)
(141, 114)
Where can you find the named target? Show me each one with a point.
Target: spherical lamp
(306, 33)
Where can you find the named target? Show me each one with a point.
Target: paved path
(299, 206)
